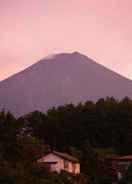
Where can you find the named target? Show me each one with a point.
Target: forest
(91, 131)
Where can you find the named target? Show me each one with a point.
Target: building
(119, 165)
(57, 162)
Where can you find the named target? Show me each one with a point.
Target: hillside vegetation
(89, 131)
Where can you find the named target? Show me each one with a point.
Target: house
(57, 162)
(119, 165)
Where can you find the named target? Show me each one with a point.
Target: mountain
(60, 79)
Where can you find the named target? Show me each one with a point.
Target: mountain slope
(61, 79)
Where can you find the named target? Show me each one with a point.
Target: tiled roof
(66, 156)
(122, 158)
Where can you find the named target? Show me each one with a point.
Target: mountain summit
(60, 79)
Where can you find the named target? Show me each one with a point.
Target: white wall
(53, 158)
(60, 164)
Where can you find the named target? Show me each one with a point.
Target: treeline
(105, 124)
(89, 131)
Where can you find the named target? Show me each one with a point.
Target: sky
(33, 29)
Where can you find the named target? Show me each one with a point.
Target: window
(66, 164)
(74, 168)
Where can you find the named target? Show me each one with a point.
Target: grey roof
(66, 156)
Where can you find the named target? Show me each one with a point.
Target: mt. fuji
(58, 80)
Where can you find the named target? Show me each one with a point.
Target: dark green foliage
(89, 131)
(106, 123)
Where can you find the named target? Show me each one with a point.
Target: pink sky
(32, 29)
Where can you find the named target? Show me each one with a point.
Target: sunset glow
(100, 29)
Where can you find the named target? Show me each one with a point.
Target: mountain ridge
(49, 58)
(60, 79)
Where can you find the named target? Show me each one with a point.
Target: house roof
(66, 156)
(122, 158)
